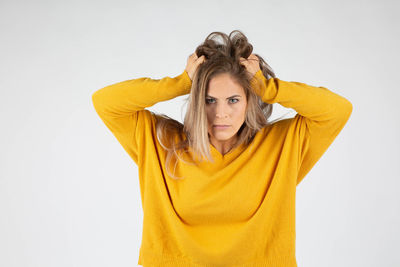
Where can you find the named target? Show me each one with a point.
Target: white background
(69, 194)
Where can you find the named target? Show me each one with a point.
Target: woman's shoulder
(278, 126)
(167, 123)
(168, 129)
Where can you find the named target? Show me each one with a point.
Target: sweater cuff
(186, 81)
(257, 82)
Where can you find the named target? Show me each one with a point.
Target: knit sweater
(239, 210)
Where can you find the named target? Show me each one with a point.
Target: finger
(201, 59)
(254, 57)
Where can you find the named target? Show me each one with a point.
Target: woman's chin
(223, 136)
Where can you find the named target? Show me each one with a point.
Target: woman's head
(221, 75)
(212, 99)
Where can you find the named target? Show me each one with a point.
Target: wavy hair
(220, 57)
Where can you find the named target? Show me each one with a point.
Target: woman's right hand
(192, 63)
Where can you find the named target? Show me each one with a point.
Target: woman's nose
(221, 111)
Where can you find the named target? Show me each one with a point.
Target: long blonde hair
(221, 57)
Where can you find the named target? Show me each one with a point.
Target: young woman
(219, 189)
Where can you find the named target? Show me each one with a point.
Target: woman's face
(225, 105)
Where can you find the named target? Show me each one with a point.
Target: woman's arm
(322, 114)
(121, 106)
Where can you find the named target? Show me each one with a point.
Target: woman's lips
(221, 127)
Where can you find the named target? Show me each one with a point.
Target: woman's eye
(208, 101)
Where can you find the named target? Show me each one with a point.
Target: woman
(229, 197)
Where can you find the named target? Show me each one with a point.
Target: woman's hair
(220, 58)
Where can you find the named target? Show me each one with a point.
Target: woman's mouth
(221, 127)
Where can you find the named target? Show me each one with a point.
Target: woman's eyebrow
(227, 97)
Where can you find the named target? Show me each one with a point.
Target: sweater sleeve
(121, 106)
(321, 115)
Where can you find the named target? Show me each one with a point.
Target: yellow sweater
(240, 210)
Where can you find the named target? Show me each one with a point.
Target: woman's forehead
(224, 86)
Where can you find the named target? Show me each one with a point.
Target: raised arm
(322, 114)
(121, 106)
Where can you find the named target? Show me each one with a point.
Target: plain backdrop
(69, 193)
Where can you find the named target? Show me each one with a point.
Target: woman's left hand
(252, 64)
